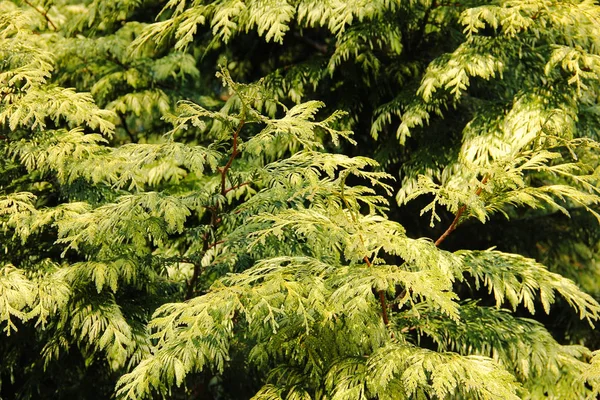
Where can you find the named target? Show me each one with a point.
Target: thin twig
(453, 225)
(43, 13)
(320, 47)
(234, 154)
(418, 39)
(214, 219)
(218, 242)
(384, 314)
(380, 293)
(236, 187)
(191, 284)
(126, 128)
(459, 214)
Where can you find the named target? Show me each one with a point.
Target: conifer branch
(380, 293)
(189, 260)
(234, 154)
(384, 314)
(43, 13)
(206, 245)
(320, 47)
(126, 128)
(218, 242)
(420, 35)
(459, 214)
(191, 284)
(214, 220)
(236, 187)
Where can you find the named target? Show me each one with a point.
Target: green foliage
(169, 232)
(591, 374)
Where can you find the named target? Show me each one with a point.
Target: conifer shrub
(182, 216)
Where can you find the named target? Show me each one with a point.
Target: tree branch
(320, 47)
(380, 293)
(236, 187)
(384, 314)
(192, 282)
(419, 37)
(452, 226)
(234, 154)
(214, 219)
(124, 123)
(459, 214)
(43, 13)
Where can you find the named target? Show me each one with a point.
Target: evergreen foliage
(175, 229)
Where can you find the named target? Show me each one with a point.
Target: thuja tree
(169, 232)
(433, 88)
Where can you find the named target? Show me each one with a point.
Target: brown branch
(43, 13)
(234, 154)
(236, 187)
(320, 47)
(380, 293)
(197, 267)
(218, 242)
(384, 314)
(459, 214)
(447, 233)
(214, 218)
(191, 284)
(126, 128)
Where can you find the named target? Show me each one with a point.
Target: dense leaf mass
(299, 199)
